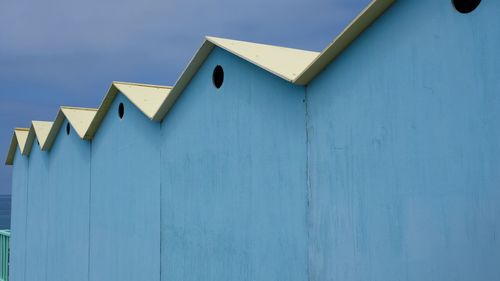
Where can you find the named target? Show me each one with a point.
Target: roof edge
(108, 100)
(187, 75)
(32, 135)
(213, 40)
(56, 125)
(364, 19)
(14, 144)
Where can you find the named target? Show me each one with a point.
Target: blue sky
(67, 52)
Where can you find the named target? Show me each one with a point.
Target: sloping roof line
(371, 13)
(293, 65)
(39, 130)
(286, 63)
(19, 138)
(78, 117)
(147, 98)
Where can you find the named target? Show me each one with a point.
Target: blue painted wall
(68, 208)
(37, 208)
(125, 197)
(18, 218)
(233, 176)
(386, 167)
(404, 153)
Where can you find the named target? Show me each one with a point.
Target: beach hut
(375, 159)
(404, 149)
(125, 184)
(233, 167)
(36, 206)
(15, 157)
(69, 195)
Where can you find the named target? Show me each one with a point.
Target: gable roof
(286, 63)
(293, 65)
(371, 13)
(78, 117)
(39, 130)
(147, 98)
(19, 138)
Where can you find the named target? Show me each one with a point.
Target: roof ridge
(210, 38)
(79, 108)
(142, 85)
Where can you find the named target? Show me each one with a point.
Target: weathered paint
(404, 154)
(68, 207)
(37, 207)
(233, 177)
(18, 217)
(125, 197)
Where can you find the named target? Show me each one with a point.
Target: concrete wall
(404, 154)
(37, 210)
(68, 203)
(18, 219)
(233, 177)
(125, 197)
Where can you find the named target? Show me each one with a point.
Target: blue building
(375, 159)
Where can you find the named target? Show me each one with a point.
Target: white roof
(78, 117)
(286, 63)
(293, 65)
(374, 10)
(147, 98)
(39, 130)
(19, 138)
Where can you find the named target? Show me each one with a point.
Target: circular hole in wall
(466, 6)
(121, 110)
(67, 128)
(218, 76)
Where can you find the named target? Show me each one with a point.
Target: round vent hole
(218, 76)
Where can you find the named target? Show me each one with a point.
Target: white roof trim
(147, 98)
(371, 13)
(39, 130)
(286, 63)
(19, 138)
(78, 117)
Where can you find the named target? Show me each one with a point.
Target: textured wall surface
(37, 209)
(18, 218)
(233, 177)
(404, 154)
(386, 167)
(125, 197)
(68, 208)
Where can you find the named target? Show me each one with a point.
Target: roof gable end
(286, 63)
(147, 98)
(19, 138)
(39, 130)
(78, 117)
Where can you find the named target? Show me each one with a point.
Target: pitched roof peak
(19, 138)
(284, 62)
